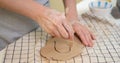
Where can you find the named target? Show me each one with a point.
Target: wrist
(72, 18)
(71, 15)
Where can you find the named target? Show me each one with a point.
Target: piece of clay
(61, 49)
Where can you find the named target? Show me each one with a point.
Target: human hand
(50, 20)
(83, 33)
(55, 23)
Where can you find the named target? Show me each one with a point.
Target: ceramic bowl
(100, 8)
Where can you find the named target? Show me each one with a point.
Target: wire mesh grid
(106, 48)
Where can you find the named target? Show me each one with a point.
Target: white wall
(114, 2)
(83, 6)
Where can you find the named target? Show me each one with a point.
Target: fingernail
(86, 44)
(72, 38)
(66, 36)
(91, 45)
(94, 37)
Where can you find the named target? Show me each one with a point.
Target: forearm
(70, 7)
(27, 8)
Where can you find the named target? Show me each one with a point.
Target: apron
(14, 26)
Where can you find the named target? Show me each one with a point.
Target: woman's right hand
(54, 23)
(50, 20)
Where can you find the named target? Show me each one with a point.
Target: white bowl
(100, 4)
(100, 8)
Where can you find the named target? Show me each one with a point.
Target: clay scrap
(61, 49)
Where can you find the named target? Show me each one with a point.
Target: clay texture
(61, 49)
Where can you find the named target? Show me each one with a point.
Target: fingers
(81, 36)
(88, 38)
(69, 30)
(48, 30)
(55, 24)
(62, 31)
(52, 30)
(67, 27)
(84, 35)
(57, 34)
(92, 35)
(90, 43)
(59, 30)
(64, 28)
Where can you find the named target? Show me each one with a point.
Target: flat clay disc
(61, 49)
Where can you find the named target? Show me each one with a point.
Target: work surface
(105, 50)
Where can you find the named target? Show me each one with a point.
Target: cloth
(106, 47)
(14, 26)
